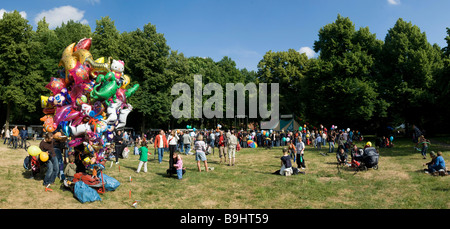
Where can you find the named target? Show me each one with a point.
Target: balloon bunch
(88, 99)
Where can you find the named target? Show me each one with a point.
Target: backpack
(27, 162)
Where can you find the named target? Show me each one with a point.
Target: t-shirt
(286, 161)
(186, 139)
(173, 140)
(200, 146)
(143, 152)
(300, 146)
(161, 141)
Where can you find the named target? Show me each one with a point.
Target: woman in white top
(173, 141)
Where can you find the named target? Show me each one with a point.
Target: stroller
(369, 159)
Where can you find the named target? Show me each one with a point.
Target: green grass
(398, 183)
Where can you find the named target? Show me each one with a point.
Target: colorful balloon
(84, 43)
(56, 85)
(43, 156)
(34, 150)
(79, 74)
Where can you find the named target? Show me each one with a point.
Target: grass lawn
(398, 183)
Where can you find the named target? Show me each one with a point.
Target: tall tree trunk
(8, 113)
(143, 125)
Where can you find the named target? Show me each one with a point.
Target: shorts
(200, 156)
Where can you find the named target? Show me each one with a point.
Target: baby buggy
(369, 159)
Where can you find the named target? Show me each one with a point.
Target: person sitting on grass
(286, 165)
(437, 164)
(341, 156)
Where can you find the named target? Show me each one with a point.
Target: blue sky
(242, 30)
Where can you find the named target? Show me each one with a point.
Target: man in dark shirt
(46, 145)
(24, 135)
(118, 140)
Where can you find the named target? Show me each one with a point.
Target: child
(319, 142)
(292, 150)
(300, 146)
(424, 143)
(178, 165)
(341, 156)
(143, 151)
(286, 165)
(71, 168)
(70, 171)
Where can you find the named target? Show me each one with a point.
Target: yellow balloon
(67, 59)
(34, 151)
(43, 156)
(126, 81)
(82, 55)
(44, 102)
(100, 60)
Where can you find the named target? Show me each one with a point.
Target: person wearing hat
(436, 165)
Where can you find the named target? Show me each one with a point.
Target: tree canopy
(357, 80)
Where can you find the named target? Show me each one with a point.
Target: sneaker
(211, 168)
(117, 163)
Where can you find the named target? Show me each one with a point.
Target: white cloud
(56, 16)
(308, 51)
(22, 13)
(393, 2)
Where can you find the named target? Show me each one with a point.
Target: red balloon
(84, 43)
(56, 85)
(79, 74)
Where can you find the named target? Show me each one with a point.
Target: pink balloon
(56, 85)
(120, 95)
(72, 115)
(78, 120)
(75, 142)
(79, 74)
(61, 113)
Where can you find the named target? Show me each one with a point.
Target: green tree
(408, 64)
(105, 39)
(145, 54)
(288, 68)
(18, 87)
(342, 81)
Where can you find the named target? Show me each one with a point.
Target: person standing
(15, 134)
(24, 136)
(222, 140)
(212, 139)
(143, 152)
(300, 147)
(186, 142)
(173, 141)
(200, 153)
(160, 144)
(118, 142)
(232, 143)
(46, 145)
(7, 136)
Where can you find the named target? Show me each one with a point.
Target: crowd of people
(65, 161)
(18, 138)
